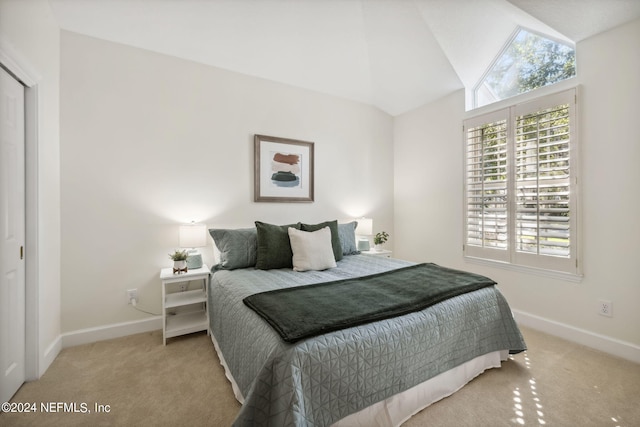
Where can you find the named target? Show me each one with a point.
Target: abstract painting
(283, 169)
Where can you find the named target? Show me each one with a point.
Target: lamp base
(363, 245)
(194, 261)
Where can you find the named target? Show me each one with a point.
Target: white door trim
(12, 61)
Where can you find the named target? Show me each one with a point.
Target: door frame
(16, 65)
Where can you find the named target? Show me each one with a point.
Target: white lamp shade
(365, 227)
(193, 236)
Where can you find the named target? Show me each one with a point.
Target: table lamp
(193, 236)
(364, 230)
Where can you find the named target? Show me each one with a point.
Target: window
(528, 61)
(521, 182)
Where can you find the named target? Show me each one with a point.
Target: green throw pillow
(348, 238)
(237, 247)
(274, 247)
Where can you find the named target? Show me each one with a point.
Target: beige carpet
(555, 383)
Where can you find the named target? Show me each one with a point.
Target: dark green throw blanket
(306, 311)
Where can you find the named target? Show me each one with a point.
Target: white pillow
(312, 250)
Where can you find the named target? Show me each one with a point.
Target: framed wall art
(283, 169)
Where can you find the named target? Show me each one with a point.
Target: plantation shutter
(486, 195)
(520, 184)
(544, 218)
(542, 182)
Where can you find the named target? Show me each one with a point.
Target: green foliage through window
(529, 61)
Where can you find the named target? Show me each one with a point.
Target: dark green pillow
(335, 236)
(274, 247)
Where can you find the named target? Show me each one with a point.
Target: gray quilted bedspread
(319, 380)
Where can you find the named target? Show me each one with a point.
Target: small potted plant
(179, 261)
(380, 239)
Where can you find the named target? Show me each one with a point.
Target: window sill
(560, 275)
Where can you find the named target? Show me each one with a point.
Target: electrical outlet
(183, 287)
(605, 308)
(132, 294)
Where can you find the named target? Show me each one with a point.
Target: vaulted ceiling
(394, 54)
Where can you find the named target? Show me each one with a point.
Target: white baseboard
(599, 342)
(615, 347)
(117, 330)
(49, 355)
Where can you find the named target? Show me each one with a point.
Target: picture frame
(283, 169)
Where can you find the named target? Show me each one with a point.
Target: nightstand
(184, 310)
(384, 253)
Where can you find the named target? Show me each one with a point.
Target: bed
(378, 373)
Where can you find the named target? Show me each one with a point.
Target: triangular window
(528, 61)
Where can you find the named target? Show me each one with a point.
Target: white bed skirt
(399, 408)
(227, 373)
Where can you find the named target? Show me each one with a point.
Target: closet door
(12, 236)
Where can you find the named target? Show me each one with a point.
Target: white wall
(29, 30)
(428, 199)
(149, 141)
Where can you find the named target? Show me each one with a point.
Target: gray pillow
(274, 247)
(347, 233)
(335, 238)
(238, 248)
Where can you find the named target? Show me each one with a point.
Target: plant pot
(378, 248)
(179, 266)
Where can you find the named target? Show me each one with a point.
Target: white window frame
(569, 268)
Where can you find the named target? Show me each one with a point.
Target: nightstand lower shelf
(184, 311)
(178, 299)
(186, 323)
